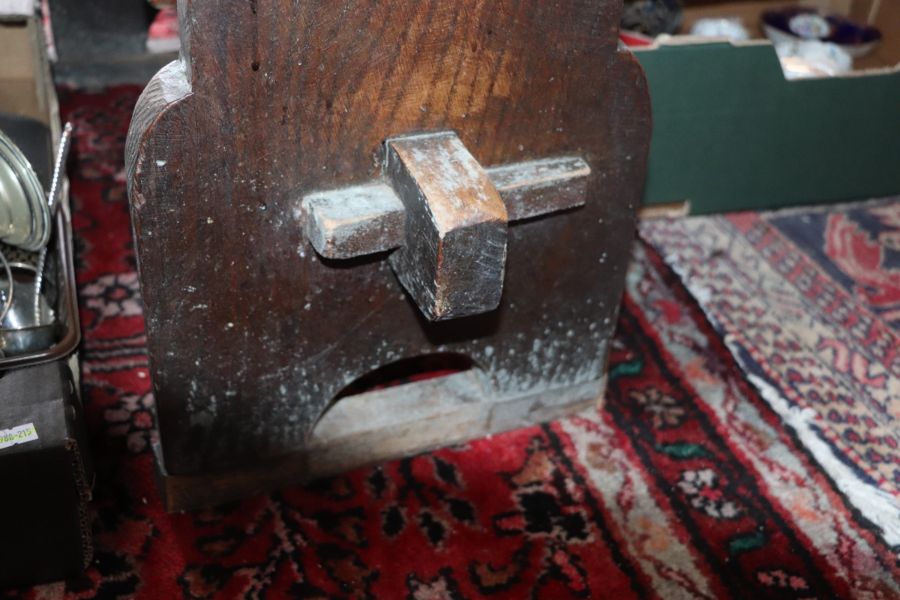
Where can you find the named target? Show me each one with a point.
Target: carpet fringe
(876, 505)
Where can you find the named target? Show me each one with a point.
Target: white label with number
(18, 435)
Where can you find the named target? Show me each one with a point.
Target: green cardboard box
(731, 133)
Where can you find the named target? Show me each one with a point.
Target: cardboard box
(46, 478)
(26, 86)
(731, 133)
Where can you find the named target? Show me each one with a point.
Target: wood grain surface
(251, 333)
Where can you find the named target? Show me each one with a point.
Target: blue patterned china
(791, 24)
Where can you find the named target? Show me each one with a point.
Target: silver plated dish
(24, 212)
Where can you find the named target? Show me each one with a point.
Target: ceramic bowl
(791, 24)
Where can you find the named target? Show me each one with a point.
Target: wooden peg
(453, 259)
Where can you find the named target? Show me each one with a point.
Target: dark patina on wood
(371, 218)
(252, 333)
(455, 252)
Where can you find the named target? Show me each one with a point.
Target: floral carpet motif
(808, 302)
(686, 484)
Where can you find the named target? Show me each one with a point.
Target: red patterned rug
(686, 484)
(808, 302)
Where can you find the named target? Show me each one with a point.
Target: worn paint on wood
(542, 187)
(251, 333)
(367, 219)
(354, 221)
(454, 255)
(384, 425)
